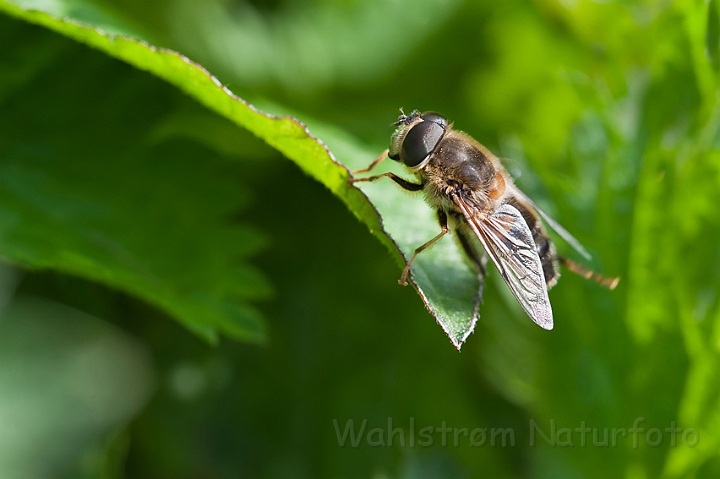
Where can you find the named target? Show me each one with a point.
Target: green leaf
(113, 205)
(443, 279)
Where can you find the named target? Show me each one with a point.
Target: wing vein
(509, 243)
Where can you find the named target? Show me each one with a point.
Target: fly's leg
(479, 261)
(442, 219)
(405, 184)
(576, 268)
(375, 162)
(409, 186)
(400, 181)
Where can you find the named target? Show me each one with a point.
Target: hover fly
(475, 197)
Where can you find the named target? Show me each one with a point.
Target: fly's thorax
(461, 165)
(439, 189)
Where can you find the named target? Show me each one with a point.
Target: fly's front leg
(405, 184)
(375, 162)
(442, 219)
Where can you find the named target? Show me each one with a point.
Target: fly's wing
(564, 234)
(509, 243)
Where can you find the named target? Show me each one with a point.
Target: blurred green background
(608, 109)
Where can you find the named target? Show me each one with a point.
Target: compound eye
(435, 118)
(420, 141)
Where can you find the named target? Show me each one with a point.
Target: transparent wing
(564, 234)
(509, 243)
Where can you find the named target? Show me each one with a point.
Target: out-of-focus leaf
(345, 42)
(712, 35)
(63, 374)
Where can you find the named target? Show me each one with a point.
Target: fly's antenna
(401, 119)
